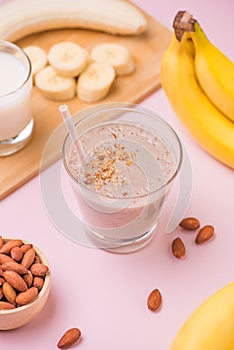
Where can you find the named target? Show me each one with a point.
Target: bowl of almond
(25, 282)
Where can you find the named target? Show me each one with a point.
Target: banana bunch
(210, 326)
(198, 80)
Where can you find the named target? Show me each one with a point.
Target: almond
(1, 242)
(27, 297)
(190, 224)
(204, 234)
(37, 259)
(15, 280)
(178, 248)
(28, 279)
(4, 305)
(1, 293)
(6, 248)
(26, 247)
(69, 338)
(14, 266)
(28, 258)
(4, 258)
(9, 293)
(2, 280)
(154, 300)
(16, 253)
(38, 282)
(1, 270)
(39, 269)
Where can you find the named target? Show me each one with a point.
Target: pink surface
(105, 294)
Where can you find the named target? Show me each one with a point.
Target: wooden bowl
(20, 316)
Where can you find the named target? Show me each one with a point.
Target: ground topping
(107, 165)
(121, 161)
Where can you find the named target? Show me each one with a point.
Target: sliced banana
(68, 58)
(115, 55)
(53, 86)
(95, 82)
(37, 56)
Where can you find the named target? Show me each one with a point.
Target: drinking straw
(63, 109)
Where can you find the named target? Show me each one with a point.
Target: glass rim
(17, 48)
(127, 106)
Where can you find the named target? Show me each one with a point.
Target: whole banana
(210, 326)
(214, 70)
(209, 126)
(28, 17)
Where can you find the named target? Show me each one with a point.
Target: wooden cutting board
(147, 50)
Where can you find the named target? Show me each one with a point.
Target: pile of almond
(22, 274)
(191, 224)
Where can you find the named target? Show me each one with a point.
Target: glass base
(122, 246)
(14, 144)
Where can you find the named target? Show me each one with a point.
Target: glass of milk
(16, 120)
(121, 173)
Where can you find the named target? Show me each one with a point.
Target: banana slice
(95, 82)
(54, 86)
(37, 56)
(115, 55)
(68, 58)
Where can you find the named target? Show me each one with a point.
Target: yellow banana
(211, 325)
(214, 70)
(209, 126)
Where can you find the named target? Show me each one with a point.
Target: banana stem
(183, 22)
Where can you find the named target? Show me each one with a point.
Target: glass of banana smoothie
(16, 121)
(130, 157)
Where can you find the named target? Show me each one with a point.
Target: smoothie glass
(130, 157)
(16, 121)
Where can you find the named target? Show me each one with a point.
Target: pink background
(105, 294)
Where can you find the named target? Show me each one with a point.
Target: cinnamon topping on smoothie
(107, 166)
(122, 160)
